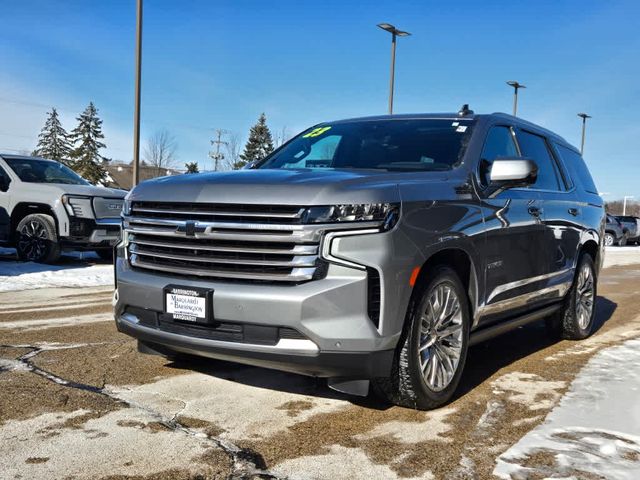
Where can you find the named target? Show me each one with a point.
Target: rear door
(514, 244)
(561, 215)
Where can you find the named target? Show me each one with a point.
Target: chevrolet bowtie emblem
(190, 229)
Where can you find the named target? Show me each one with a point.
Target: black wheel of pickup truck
(36, 239)
(433, 348)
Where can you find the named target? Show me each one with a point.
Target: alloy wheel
(33, 240)
(440, 344)
(584, 296)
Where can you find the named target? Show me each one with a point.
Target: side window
(4, 180)
(577, 168)
(535, 147)
(499, 143)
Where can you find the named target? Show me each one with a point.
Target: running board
(487, 333)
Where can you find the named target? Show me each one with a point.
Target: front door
(514, 251)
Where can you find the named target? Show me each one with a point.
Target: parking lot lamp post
(394, 33)
(584, 117)
(136, 113)
(516, 86)
(624, 203)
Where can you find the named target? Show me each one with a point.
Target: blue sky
(219, 64)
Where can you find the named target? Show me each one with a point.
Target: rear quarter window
(577, 168)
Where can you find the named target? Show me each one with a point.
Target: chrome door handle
(535, 211)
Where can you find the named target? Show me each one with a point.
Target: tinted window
(34, 170)
(392, 145)
(535, 148)
(499, 143)
(577, 168)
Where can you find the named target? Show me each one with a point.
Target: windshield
(392, 145)
(35, 170)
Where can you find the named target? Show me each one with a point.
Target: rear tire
(37, 239)
(433, 347)
(575, 320)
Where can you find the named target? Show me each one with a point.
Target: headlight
(385, 213)
(78, 206)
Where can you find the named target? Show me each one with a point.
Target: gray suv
(371, 251)
(45, 207)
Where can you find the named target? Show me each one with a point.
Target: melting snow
(16, 276)
(595, 428)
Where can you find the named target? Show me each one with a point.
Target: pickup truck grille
(224, 241)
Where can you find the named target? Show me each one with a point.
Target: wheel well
(590, 247)
(460, 262)
(21, 210)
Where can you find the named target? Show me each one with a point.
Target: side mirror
(4, 184)
(510, 173)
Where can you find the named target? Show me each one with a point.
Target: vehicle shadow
(482, 362)
(485, 359)
(11, 266)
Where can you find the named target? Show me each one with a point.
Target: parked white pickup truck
(46, 207)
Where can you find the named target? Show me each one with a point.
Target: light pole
(516, 86)
(584, 117)
(394, 33)
(624, 203)
(136, 112)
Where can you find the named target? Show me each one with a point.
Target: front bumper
(336, 336)
(93, 233)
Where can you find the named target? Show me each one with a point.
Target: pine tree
(53, 141)
(259, 145)
(86, 137)
(192, 167)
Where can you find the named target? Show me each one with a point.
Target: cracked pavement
(78, 401)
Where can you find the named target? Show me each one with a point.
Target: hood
(276, 187)
(85, 190)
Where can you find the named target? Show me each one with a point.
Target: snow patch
(621, 256)
(529, 389)
(430, 429)
(16, 276)
(594, 429)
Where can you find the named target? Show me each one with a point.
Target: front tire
(37, 240)
(609, 239)
(433, 347)
(575, 320)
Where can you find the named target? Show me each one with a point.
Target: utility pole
(217, 155)
(516, 86)
(394, 33)
(584, 117)
(624, 204)
(136, 113)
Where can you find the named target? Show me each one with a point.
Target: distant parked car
(48, 207)
(614, 233)
(631, 226)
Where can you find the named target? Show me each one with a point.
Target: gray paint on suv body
(439, 211)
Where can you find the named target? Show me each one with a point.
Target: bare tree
(234, 148)
(160, 151)
(281, 137)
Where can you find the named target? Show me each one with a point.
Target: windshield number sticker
(316, 132)
(461, 128)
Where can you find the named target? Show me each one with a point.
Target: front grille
(216, 330)
(107, 207)
(224, 241)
